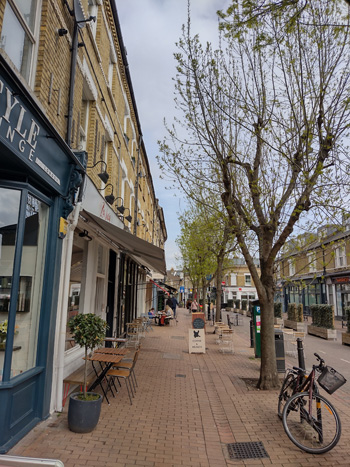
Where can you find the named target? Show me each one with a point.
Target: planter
(83, 415)
(296, 325)
(324, 333)
(345, 338)
(278, 321)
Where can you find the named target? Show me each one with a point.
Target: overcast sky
(150, 29)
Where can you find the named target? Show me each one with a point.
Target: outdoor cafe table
(112, 350)
(109, 359)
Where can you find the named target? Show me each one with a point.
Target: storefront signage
(26, 135)
(341, 280)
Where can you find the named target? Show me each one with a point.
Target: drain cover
(180, 376)
(250, 450)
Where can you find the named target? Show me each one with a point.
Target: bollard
(301, 360)
(251, 334)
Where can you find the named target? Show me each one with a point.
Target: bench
(77, 379)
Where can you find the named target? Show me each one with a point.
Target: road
(334, 353)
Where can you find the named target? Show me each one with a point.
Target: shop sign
(29, 138)
(341, 280)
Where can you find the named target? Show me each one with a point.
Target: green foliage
(322, 316)
(88, 330)
(230, 303)
(238, 304)
(244, 304)
(347, 316)
(277, 309)
(292, 312)
(300, 313)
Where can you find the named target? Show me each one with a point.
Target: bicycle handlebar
(322, 362)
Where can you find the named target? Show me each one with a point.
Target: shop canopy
(147, 254)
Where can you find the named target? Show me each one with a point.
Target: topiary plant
(88, 331)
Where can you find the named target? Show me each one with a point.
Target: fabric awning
(147, 254)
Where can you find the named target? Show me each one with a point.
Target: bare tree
(264, 122)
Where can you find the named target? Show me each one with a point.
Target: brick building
(81, 229)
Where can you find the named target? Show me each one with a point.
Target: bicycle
(309, 419)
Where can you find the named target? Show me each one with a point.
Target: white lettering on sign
(46, 169)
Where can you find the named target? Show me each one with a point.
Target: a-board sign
(198, 320)
(196, 340)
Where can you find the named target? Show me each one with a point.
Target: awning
(149, 255)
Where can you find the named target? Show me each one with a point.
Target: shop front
(39, 177)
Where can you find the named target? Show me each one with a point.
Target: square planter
(296, 325)
(345, 338)
(324, 333)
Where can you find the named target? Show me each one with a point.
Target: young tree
(264, 122)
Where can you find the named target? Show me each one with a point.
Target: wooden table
(108, 359)
(112, 351)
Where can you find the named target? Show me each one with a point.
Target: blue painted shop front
(39, 180)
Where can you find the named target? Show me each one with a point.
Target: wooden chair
(126, 374)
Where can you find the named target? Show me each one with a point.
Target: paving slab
(187, 409)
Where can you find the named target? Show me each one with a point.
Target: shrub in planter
(277, 310)
(322, 316)
(244, 304)
(238, 304)
(88, 331)
(347, 314)
(300, 314)
(230, 303)
(292, 311)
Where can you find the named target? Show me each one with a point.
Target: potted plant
(89, 331)
(322, 322)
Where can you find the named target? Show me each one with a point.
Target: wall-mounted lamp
(128, 218)
(121, 208)
(109, 198)
(62, 32)
(103, 175)
(85, 234)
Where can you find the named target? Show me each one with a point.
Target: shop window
(75, 284)
(21, 286)
(340, 257)
(18, 35)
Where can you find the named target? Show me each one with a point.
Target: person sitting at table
(161, 319)
(168, 314)
(151, 313)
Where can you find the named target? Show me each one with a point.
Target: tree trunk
(268, 369)
(218, 289)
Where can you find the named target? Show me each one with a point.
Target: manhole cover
(250, 450)
(180, 376)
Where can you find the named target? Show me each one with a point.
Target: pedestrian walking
(174, 305)
(194, 306)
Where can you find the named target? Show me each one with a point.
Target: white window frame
(291, 264)
(249, 281)
(33, 36)
(340, 256)
(311, 258)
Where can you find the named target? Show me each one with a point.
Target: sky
(150, 29)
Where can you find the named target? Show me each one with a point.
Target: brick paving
(187, 408)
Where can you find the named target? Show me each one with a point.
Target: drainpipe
(71, 83)
(137, 186)
(64, 309)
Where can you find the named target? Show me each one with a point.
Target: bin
(279, 348)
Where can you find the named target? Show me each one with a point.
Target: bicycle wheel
(314, 429)
(286, 392)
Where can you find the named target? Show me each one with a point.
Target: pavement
(188, 410)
